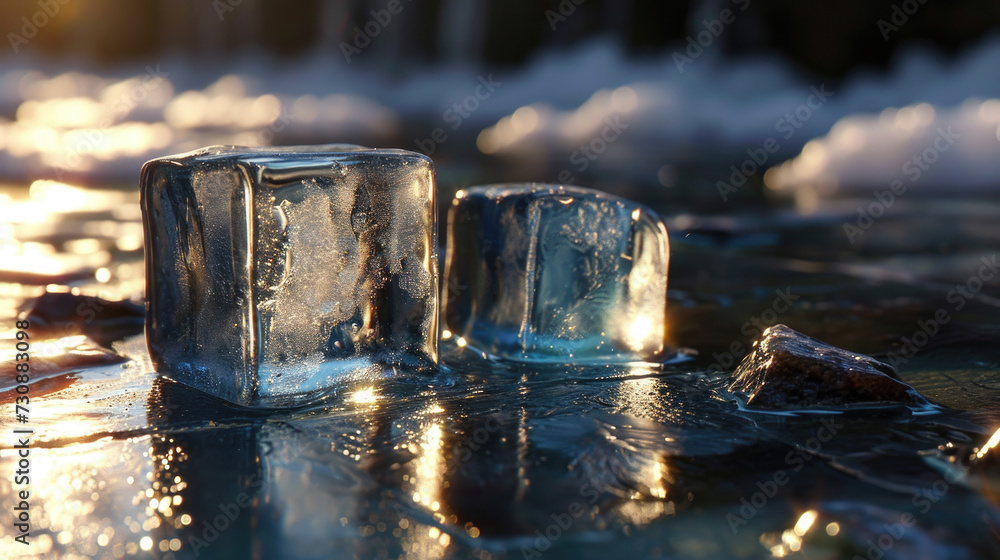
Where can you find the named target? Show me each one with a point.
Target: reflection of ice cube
(272, 273)
(553, 273)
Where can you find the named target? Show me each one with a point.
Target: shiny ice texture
(275, 273)
(555, 274)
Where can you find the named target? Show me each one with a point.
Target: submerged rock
(788, 369)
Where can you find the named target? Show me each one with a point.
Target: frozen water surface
(274, 273)
(503, 461)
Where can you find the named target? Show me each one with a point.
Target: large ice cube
(555, 273)
(274, 272)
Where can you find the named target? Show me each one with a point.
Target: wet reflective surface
(496, 461)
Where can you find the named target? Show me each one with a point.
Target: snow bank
(591, 107)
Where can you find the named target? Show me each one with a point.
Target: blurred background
(657, 100)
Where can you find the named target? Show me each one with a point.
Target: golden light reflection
(804, 523)
(434, 409)
(164, 495)
(59, 197)
(429, 467)
(70, 429)
(790, 540)
(516, 126)
(195, 109)
(366, 395)
(639, 513)
(77, 122)
(60, 346)
(40, 212)
(993, 441)
(427, 479)
(639, 396)
(657, 489)
(642, 323)
(69, 112)
(33, 259)
(76, 500)
(639, 333)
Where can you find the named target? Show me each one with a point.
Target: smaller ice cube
(273, 273)
(555, 273)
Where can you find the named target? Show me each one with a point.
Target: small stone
(788, 369)
(61, 314)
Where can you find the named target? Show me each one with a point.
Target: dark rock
(59, 314)
(788, 369)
